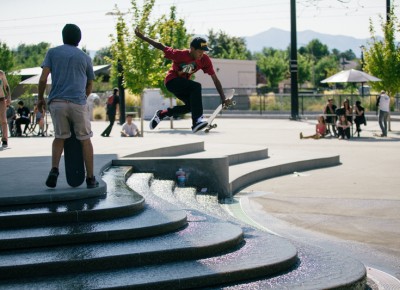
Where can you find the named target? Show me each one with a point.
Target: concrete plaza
(353, 207)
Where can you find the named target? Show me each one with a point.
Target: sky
(32, 22)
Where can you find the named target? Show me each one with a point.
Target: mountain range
(280, 39)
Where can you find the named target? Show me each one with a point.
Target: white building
(237, 74)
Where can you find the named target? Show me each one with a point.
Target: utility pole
(388, 10)
(120, 77)
(293, 62)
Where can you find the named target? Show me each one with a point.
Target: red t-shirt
(184, 66)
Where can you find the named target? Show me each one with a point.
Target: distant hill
(280, 39)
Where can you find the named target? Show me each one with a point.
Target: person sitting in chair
(330, 115)
(23, 113)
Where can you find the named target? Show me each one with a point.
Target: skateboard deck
(73, 159)
(229, 95)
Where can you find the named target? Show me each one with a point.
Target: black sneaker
(200, 124)
(4, 144)
(155, 120)
(91, 182)
(52, 178)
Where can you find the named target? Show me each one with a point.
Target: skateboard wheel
(214, 126)
(207, 130)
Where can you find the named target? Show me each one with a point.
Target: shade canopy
(35, 80)
(351, 76)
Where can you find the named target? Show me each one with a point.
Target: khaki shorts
(63, 113)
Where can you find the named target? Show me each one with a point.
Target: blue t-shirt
(70, 69)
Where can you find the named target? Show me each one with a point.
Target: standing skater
(72, 80)
(112, 108)
(178, 80)
(5, 97)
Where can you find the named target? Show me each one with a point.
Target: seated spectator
(320, 130)
(23, 113)
(330, 115)
(39, 119)
(347, 110)
(360, 117)
(343, 126)
(129, 129)
(11, 116)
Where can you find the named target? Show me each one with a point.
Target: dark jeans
(18, 123)
(383, 121)
(344, 132)
(189, 92)
(107, 131)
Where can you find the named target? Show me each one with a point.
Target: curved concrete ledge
(173, 150)
(216, 174)
(120, 201)
(252, 173)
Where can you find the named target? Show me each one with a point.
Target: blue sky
(30, 22)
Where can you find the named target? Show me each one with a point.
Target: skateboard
(73, 159)
(229, 95)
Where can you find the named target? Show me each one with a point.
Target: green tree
(317, 49)
(7, 65)
(30, 55)
(6, 58)
(382, 59)
(273, 64)
(172, 33)
(326, 67)
(227, 47)
(101, 56)
(305, 69)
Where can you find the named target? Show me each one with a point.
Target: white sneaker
(200, 124)
(155, 120)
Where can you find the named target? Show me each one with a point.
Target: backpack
(110, 101)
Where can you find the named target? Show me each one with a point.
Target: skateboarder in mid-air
(178, 80)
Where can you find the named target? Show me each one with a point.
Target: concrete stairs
(148, 234)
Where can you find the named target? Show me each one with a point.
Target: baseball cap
(199, 43)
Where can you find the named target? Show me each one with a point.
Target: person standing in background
(112, 108)
(384, 107)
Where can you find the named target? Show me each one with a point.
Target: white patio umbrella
(351, 76)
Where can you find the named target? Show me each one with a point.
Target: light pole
(120, 76)
(362, 57)
(293, 62)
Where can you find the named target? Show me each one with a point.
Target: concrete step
(158, 217)
(261, 256)
(279, 163)
(317, 268)
(120, 201)
(201, 239)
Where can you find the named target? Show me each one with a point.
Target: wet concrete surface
(369, 166)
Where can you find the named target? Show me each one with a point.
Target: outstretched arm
(154, 43)
(218, 86)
